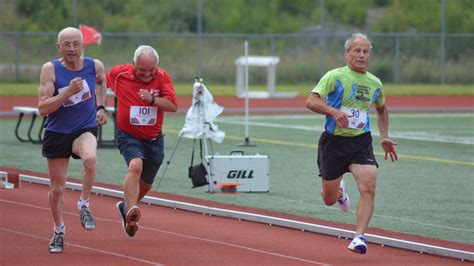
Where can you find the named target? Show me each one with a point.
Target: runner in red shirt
(144, 92)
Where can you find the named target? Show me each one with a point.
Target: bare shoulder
(47, 72)
(99, 66)
(47, 78)
(48, 66)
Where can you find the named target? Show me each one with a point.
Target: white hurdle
(4, 181)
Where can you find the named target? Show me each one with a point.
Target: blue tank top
(80, 110)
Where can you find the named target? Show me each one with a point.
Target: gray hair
(69, 29)
(350, 40)
(147, 51)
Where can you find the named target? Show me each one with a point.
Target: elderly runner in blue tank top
(346, 143)
(72, 95)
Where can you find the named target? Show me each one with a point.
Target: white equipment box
(244, 173)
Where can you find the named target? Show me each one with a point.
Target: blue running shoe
(358, 245)
(130, 220)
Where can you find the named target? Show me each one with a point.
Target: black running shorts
(336, 153)
(59, 145)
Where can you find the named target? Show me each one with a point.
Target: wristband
(152, 100)
(100, 107)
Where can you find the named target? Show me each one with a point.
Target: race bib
(143, 115)
(78, 97)
(357, 118)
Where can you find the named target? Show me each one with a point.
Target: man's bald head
(68, 32)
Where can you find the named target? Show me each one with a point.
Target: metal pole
(199, 28)
(246, 90)
(74, 13)
(443, 51)
(17, 56)
(322, 38)
(396, 75)
(246, 142)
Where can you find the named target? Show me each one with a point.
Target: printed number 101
(144, 111)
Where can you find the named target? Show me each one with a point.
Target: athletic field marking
(425, 224)
(321, 117)
(313, 146)
(156, 230)
(235, 245)
(84, 247)
(410, 135)
(432, 159)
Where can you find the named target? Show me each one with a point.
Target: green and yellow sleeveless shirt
(353, 93)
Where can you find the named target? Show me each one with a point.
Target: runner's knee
(56, 192)
(329, 198)
(135, 166)
(329, 202)
(367, 187)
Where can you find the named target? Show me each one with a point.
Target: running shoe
(87, 220)
(56, 245)
(129, 220)
(343, 201)
(358, 245)
(132, 218)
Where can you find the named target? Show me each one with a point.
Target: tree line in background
(236, 16)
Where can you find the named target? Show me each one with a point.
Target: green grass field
(29, 89)
(428, 192)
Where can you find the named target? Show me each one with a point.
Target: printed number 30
(355, 113)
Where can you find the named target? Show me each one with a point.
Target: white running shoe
(87, 219)
(343, 201)
(358, 245)
(56, 244)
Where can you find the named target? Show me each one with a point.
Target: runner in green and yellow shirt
(346, 143)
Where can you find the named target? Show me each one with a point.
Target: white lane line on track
(235, 246)
(322, 117)
(375, 215)
(84, 247)
(409, 135)
(161, 231)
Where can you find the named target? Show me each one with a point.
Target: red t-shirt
(135, 116)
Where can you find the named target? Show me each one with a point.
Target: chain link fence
(304, 58)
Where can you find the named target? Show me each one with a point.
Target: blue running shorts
(150, 151)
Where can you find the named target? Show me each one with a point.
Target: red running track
(171, 237)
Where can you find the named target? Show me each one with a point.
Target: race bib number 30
(357, 118)
(143, 115)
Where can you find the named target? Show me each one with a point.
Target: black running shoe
(87, 220)
(130, 220)
(119, 207)
(56, 245)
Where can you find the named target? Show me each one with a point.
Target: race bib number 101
(143, 115)
(357, 118)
